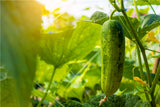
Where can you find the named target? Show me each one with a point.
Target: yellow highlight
(139, 80)
(152, 53)
(151, 37)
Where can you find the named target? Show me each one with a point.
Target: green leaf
(157, 94)
(130, 12)
(59, 48)
(75, 92)
(92, 77)
(144, 11)
(148, 23)
(145, 2)
(126, 85)
(99, 17)
(19, 37)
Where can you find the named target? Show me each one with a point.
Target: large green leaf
(59, 48)
(148, 23)
(144, 2)
(20, 27)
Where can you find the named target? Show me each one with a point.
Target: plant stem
(39, 104)
(137, 12)
(140, 63)
(138, 42)
(155, 78)
(115, 5)
(110, 17)
(151, 7)
(142, 50)
(141, 71)
(151, 50)
(155, 81)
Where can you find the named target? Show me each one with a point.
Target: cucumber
(113, 54)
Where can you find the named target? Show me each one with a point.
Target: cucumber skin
(113, 54)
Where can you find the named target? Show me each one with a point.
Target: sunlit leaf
(144, 11)
(130, 12)
(59, 48)
(45, 11)
(145, 2)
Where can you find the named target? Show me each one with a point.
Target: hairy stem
(151, 50)
(142, 50)
(151, 7)
(138, 42)
(39, 104)
(141, 71)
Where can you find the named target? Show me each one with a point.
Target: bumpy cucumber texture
(113, 54)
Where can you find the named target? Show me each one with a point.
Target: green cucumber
(113, 54)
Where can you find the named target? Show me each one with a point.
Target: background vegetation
(66, 56)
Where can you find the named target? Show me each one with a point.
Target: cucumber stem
(110, 17)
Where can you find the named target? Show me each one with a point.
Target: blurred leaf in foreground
(20, 30)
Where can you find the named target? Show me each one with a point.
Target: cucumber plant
(113, 57)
